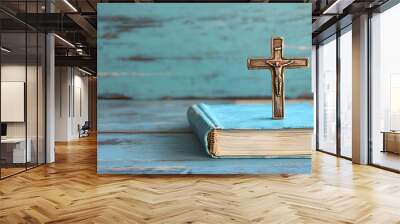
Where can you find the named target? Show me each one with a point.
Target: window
(327, 96)
(346, 92)
(385, 89)
(22, 78)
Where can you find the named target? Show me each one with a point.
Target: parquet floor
(70, 191)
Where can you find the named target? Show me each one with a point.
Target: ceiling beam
(49, 22)
(77, 61)
(83, 23)
(337, 7)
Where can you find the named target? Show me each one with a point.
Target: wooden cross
(277, 64)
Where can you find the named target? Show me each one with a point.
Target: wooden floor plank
(70, 191)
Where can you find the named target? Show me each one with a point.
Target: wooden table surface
(154, 137)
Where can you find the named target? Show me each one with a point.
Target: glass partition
(41, 97)
(327, 96)
(22, 101)
(13, 109)
(346, 93)
(31, 97)
(385, 89)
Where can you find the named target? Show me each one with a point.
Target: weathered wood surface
(180, 154)
(134, 116)
(153, 137)
(146, 116)
(154, 51)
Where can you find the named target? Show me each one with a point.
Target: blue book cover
(248, 130)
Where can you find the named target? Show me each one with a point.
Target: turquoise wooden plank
(170, 115)
(180, 154)
(155, 51)
(146, 116)
(142, 116)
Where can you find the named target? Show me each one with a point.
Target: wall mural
(174, 82)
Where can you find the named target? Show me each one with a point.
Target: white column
(314, 91)
(50, 92)
(360, 90)
(50, 100)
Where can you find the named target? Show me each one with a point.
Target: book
(248, 130)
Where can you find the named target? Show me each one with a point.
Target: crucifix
(277, 64)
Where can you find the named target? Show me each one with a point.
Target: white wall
(70, 83)
(33, 126)
(12, 101)
(62, 82)
(80, 105)
(16, 73)
(13, 72)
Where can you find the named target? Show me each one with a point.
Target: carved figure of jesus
(277, 64)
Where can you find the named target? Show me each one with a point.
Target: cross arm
(298, 63)
(257, 63)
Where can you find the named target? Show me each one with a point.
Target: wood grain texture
(160, 115)
(153, 137)
(155, 51)
(70, 191)
(181, 154)
(391, 142)
(134, 116)
(143, 116)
